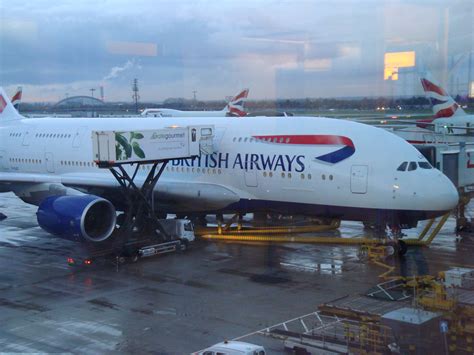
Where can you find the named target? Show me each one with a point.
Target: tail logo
(236, 106)
(16, 99)
(334, 157)
(236, 111)
(3, 103)
(443, 104)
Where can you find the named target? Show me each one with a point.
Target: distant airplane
(313, 166)
(448, 119)
(234, 108)
(446, 111)
(16, 99)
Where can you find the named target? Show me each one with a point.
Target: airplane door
(250, 177)
(3, 160)
(79, 136)
(28, 133)
(104, 154)
(359, 175)
(451, 167)
(49, 160)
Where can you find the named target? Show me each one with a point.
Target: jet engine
(83, 218)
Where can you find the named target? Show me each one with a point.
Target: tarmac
(179, 303)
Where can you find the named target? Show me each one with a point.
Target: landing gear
(140, 215)
(402, 248)
(260, 219)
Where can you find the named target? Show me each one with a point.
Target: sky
(278, 49)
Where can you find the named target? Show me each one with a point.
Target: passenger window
(424, 165)
(403, 166)
(412, 166)
(206, 131)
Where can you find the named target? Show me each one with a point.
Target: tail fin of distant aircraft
(16, 99)
(236, 106)
(443, 105)
(7, 111)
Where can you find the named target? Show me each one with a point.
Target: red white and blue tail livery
(236, 106)
(443, 105)
(16, 99)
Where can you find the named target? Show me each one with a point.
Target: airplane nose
(448, 196)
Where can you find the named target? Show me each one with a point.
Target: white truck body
(141, 146)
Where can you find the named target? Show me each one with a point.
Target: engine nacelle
(79, 218)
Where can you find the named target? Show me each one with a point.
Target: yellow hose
(200, 231)
(289, 239)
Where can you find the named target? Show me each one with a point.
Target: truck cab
(178, 229)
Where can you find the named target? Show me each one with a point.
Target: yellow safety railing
(286, 234)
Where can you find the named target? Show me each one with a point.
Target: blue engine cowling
(79, 218)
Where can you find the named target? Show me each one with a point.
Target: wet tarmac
(178, 303)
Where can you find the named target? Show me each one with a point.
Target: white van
(230, 347)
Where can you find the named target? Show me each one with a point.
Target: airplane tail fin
(16, 99)
(236, 106)
(7, 111)
(443, 105)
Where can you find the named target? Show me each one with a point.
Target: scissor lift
(140, 232)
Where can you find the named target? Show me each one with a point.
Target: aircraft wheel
(402, 248)
(184, 244)
(390, 250)
(363, 252)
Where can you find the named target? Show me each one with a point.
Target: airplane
(16, 99)
(449, 123)
(234, 108)
(446, 112)
(319, 167)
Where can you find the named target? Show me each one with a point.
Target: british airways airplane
(234, 108)
(306, 165)
(446, 111)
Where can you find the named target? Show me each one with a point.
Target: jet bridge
(456, 161)
(124, 153)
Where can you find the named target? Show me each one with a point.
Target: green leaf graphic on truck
(125, 147)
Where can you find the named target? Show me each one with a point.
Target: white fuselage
(168, 112)
(264, 175)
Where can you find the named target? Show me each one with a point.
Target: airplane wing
(436, 124)
(169, 193)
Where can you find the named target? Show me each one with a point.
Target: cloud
(217, 47)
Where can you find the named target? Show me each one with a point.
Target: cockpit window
(403, 166)
(424, 165)
(412, 166)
